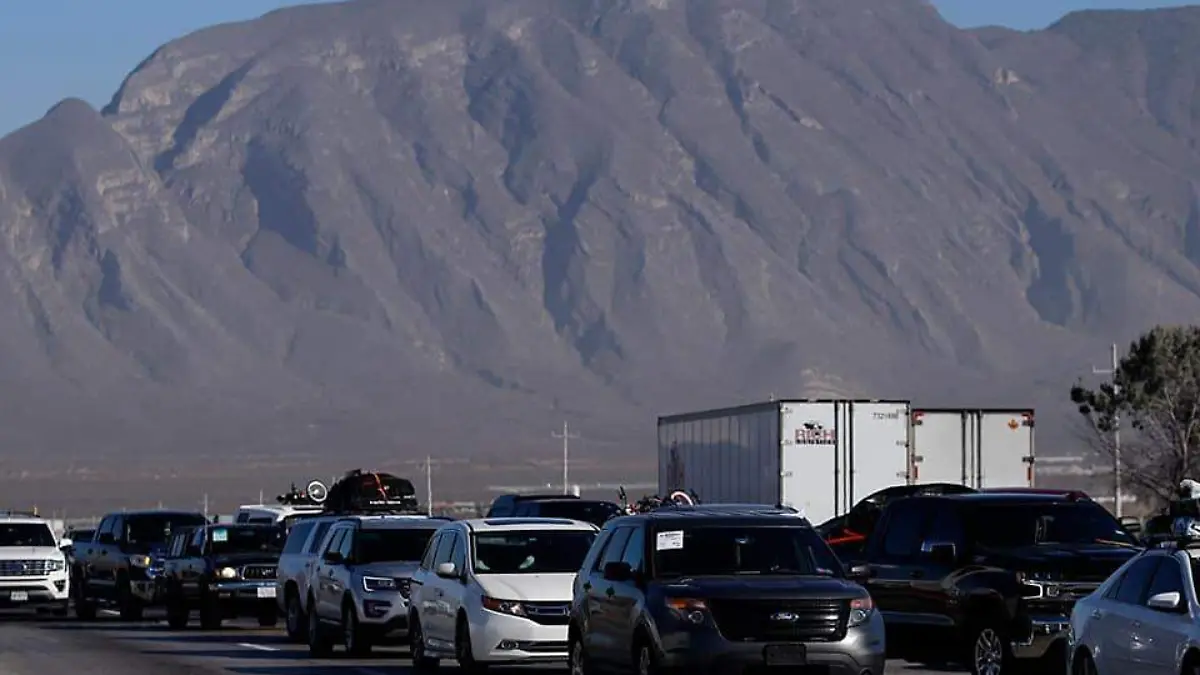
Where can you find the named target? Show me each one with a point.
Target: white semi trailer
(820, 456)
(979, 448)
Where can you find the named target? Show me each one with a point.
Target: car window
(946, 527)
(1015, 525)
(346, 546)
(902, 535)
(718, 549)
(635, 549)
(431, 551)
(444, 546)
(296, 538)
(335, 541)
(195, 543)
(458, 554)
(1131, 589)
(26, 534)
(318, 537)
(530, 552)
(615, 548)
(1168, 578)
(243, 517)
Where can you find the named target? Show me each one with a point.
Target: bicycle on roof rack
(650, 503)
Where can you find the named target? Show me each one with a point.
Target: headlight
(1036, 585)
(142, 561)
(861, 610)
(509, 607)
(227, 573)
(371, 584)
(688, 609)
(55, 565)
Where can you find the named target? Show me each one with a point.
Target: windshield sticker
(220, 534)
(669, 541)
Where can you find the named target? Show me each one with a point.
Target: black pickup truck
(119, 565)
(987, 579)
(224, 571)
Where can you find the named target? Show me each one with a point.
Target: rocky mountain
(399, 228)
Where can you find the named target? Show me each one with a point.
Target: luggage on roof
(360, 491)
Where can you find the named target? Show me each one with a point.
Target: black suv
(594, 511)
(695, 588)
(988, 578)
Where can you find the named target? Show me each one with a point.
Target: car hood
(528, 587)
(1071, 562)
(30, 553)
(755, 586)
(387, 569)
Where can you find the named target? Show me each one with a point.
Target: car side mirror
(334, 557)
(447, 570)
(65, 543)
(858, 573)
(1166, 602)
(618, 571)
(940, 551)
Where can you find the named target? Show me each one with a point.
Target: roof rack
(20, 514)
(313, 494)
(650, 503)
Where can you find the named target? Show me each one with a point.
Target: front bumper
(43, 593)
(384, 615)
(505, 638)
(1037, 635)
(245, 598)
(861, 652)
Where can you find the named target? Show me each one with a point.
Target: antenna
(428, 485)
(566, 437)
(1111, 371)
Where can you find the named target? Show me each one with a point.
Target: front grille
(254, 572)
(24, 568)
(404, 585)
(548, 613)
(815, 620)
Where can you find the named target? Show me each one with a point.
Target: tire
(464, 653)
(85, 609)
(416, 643)
(319, 645)
(128, 605)
(988, 652)
(353, 637)
(210, 612)
(645, 662)
(296, 621)
(1084, 665)
(177, 612)
(576, 656)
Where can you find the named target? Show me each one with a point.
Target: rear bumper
(246, 597)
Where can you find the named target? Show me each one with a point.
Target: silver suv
(358, 589)
(296, 564)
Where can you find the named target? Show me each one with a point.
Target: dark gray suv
(694, 589)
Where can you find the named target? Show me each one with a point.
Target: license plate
(785, 655)
(266, 591)
(18, 596)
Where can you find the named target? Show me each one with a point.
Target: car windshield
(392, 544)
(719, 550)
(156, 529)
(290, 521)
(536, 552)
(81, 535)
(245, 539)
(596, 513)
(1013, 525)
(26, 534)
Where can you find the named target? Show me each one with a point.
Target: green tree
(1154, 399)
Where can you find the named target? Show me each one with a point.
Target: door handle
(1097, 614)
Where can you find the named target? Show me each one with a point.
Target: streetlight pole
(566, 437)
(1112, 372)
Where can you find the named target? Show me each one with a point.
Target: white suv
(497, 590)
(33, 569)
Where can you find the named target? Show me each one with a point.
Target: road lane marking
(110, 612)
(261, 648)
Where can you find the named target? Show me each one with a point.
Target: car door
(91, 556)
(1158, 634)
(625, 605)
(456, 589)
(312, 554)
(322, 579)
(108, 557)
(932, 595)
(438, 621)
(1119, 615)
(604, 629)
(893, 565)
(421, 588)
(192, 565)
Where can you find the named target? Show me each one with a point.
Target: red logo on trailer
(815, 433)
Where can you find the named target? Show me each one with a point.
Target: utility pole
(206, 506)
(1111, 371)
(260, 496)
(566, 437)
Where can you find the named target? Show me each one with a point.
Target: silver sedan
(1143, 620)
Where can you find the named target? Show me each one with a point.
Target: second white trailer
(821, 456)
(979, 448)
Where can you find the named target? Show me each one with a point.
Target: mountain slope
(450, 225)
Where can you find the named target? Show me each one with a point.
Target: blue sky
(53, 49)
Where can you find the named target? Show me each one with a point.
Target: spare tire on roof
(362, 490)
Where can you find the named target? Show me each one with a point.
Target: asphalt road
(109, 647)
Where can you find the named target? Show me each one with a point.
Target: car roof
(156, 512)
(393, 522)
(23, 520)
(1010, 497)
(520, 497)
(524, 524)
(743, 514)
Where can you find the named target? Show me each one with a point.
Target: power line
(566, 437)
(1111, 371)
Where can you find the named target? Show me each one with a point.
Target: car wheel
(646, 663)
(319, 644)
(416, 639)
(297, 623)
(1084, 665)
(128, 604)
(85, 609)
(352, 633)
(463, 651)
(210, 612)
(989, 651)
(576, 657)
(177, 612)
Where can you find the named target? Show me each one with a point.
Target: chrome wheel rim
(348, 630)
(577, 658)
(644, 661)
(989, 652)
